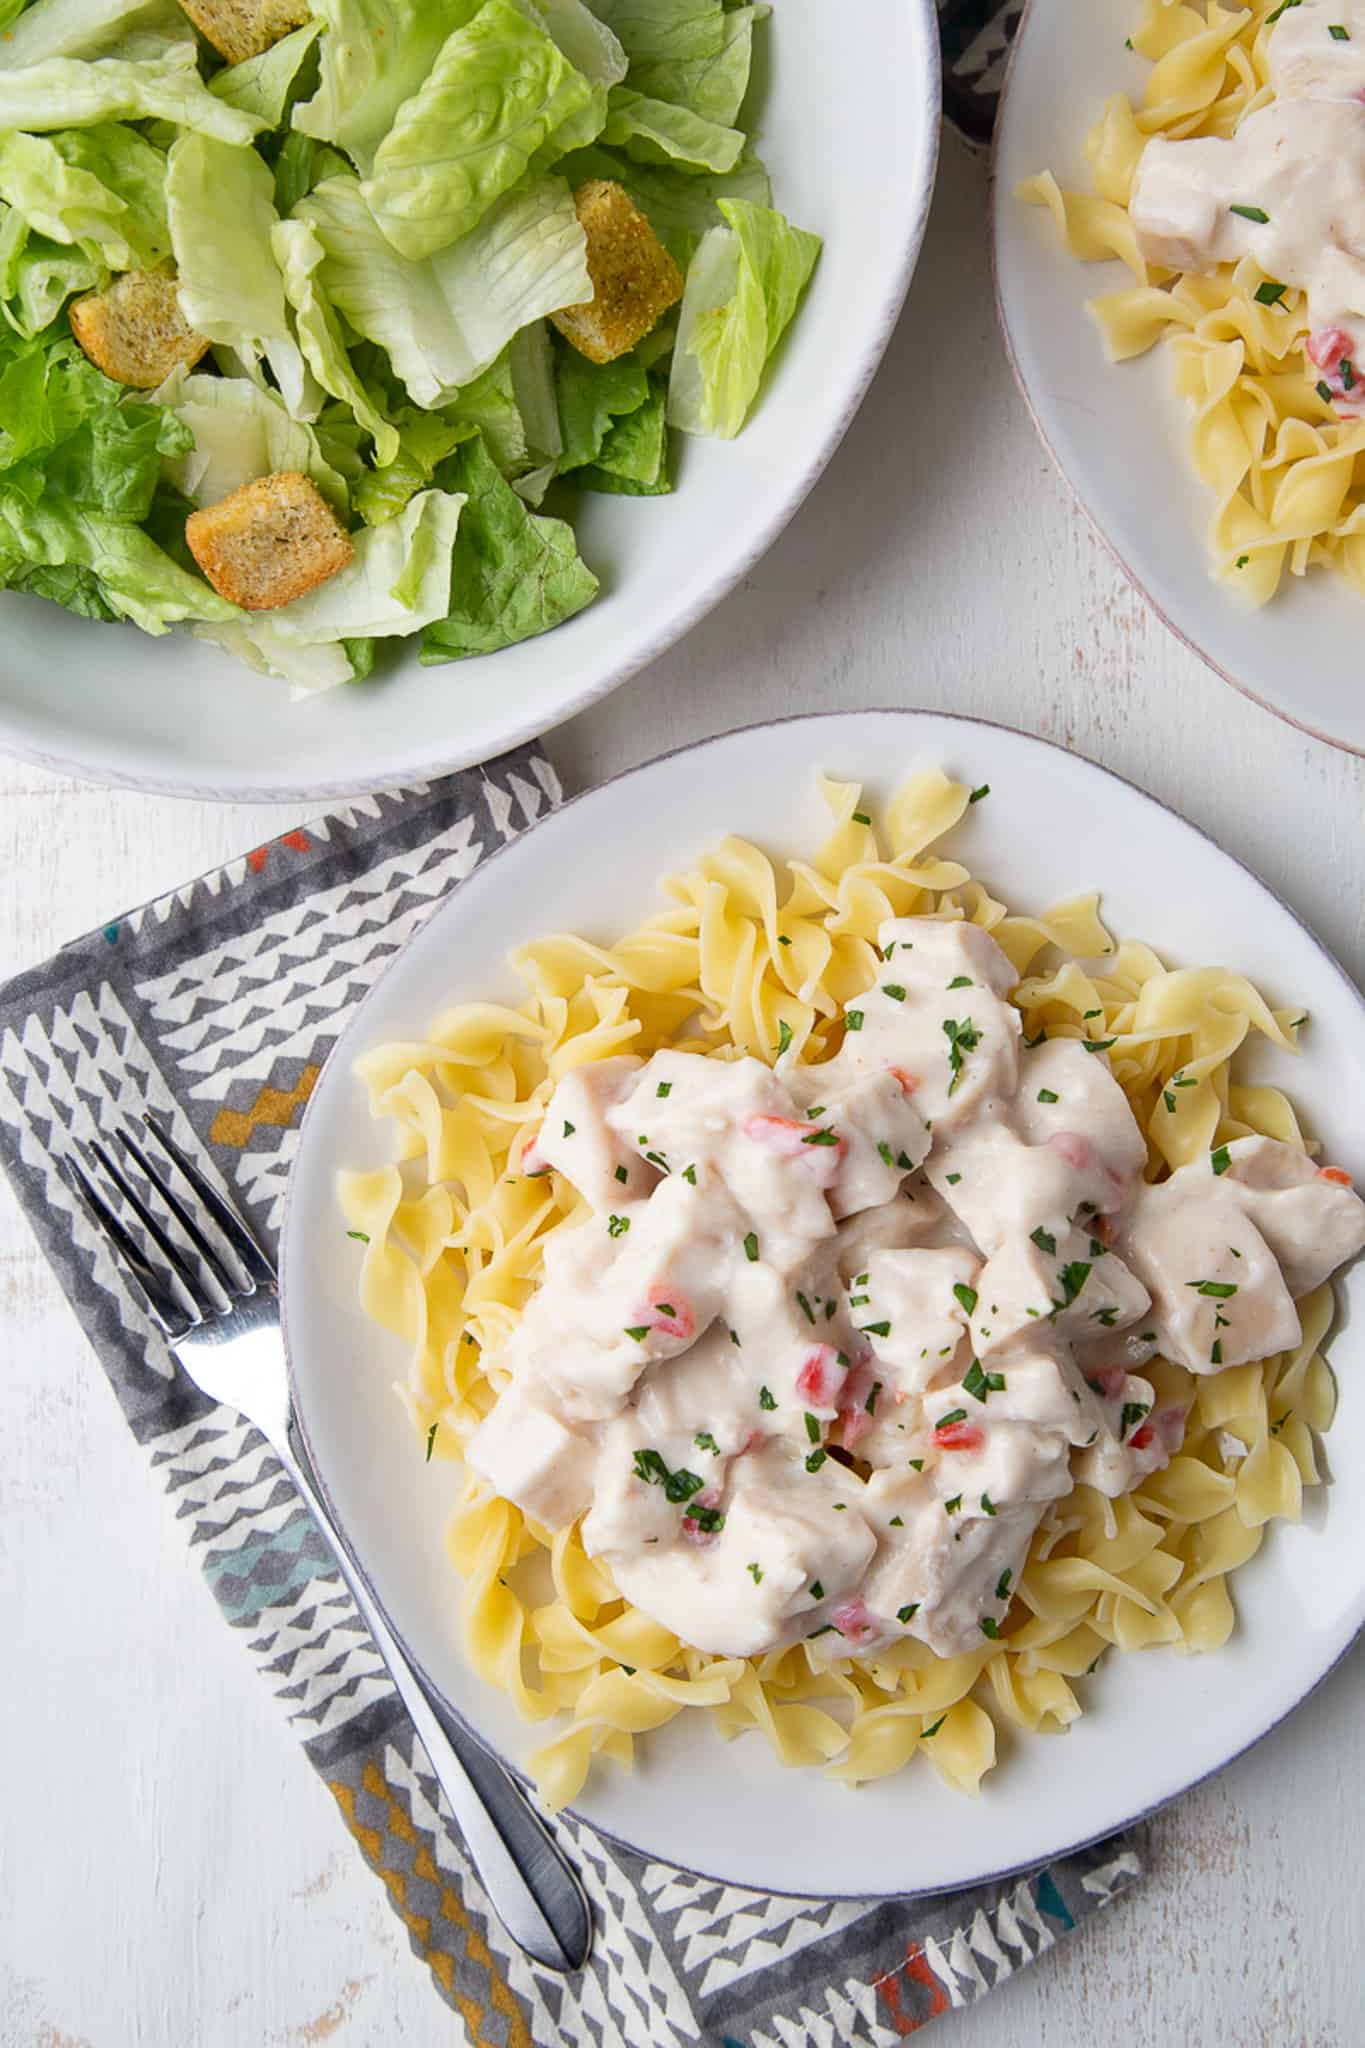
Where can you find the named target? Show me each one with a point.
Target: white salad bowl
(1118, 432)
(846, 113)
(1154, 1723)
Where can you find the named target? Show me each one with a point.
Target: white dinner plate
(846, 118)
(1118, 432)
(1154, 1722)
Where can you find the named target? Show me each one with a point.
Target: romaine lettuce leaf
(264, 85)
(634, 455)
(590, 397)
(712, 86)
(137, 579)
(533, 384)
(374, 55)
(101, 189)
(399, 581)
(444, 321)
(239, 432)
(300, 255)
(67, 432)
(656, 132)
(424, 441)
(501, 98)
(744, 285)
(665, 31)
(86, 28)
(65, 92)
(585, 40)
(221, 203)
(39, 276)
(515, 574)
(300, 165)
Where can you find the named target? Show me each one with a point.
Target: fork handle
(531, 1886)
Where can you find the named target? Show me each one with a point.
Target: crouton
(135, 331)
(268, 542)
(634, 279)
(239, 29)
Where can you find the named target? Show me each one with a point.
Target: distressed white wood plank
(172, 1870)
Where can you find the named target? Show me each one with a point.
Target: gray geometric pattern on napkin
(216, 1006)
(976, 38)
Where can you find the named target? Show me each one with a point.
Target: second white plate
(1154, 1723)
(1117, 432)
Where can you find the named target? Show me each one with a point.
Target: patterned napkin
(217, 1006)
(976, 36)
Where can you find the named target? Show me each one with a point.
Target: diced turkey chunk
(1071, 1284)
(913, 1312)
(578, 1142)
(914, 1217)
(1310, 1216)
(940, 1575)
(1218, 1297)
(531, 1458)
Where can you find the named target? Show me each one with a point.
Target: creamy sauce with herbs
(1288, 189)
(836, 1335)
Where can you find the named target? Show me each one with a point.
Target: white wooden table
(171, 1872)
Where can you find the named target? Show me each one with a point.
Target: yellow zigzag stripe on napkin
(438, 1959)
(272, 1106)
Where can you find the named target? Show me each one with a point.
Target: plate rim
(342, 1051)
(677, 625)
(994, 196)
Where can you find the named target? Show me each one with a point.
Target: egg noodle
(1287, 475)
(455, 1235)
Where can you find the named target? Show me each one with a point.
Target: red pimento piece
(1073, 1147)
(1337, 1175)
(854, 1418)
(855, 1621)
(532, 1160)
(670, 1313)
(821, 1376)
(1327, 346)
(1141, 1438)
(908, 1082)
(1111, 1381)
(959, 1436)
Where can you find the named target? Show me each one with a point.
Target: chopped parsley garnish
(870, 1404)
(617, 1226)
(657, 1159)
(1269, 293)
(569, 1130)
(1086, 1015)
(1107, 1316)
(1038, 1038)
(962, 981)
(984, 789)
(812, 1427)
(966, 1296)
(1283, 8)
(821, 1137)
(666, 1308)
(987, 1504)
(946, 1421)
(884, 1152)
(875, 1329)
(360, 1236)
(622, 1175)
(751, 1248)
(925, 1733)
(827, 1630)
(1241, 561)
(1133, 1412)
(982, 1384)
(816, 1460)
(1255, 213)
(1185, 1081)
(677, 1486)
(765, 1398)
(904, 1161)
(708, 1520)
(918, 1464)
(431, 1440)
(894, 990)
(734, 1337)
(1339, 35)
(664, 1088)
(989, 1627)
(908, 1612)
(704, 1441)
(784, 1036)
(1073, 1277)
(962, 1038)
(1219, 1160)
(1098, 1044)
(1216, 1355)
(1324, 391)
(1216, 1290)
(755, 1573)
(853, 1020)
(1047, 1095)
(782, 939)
(861, 818)
(950, 1507)
(1097, 1250)
(639, 1333)
(807, 1311)
(896, 1522)
(952, 1179)
(690, 1175)
(1044, 1240)
(817, 1591)
(1348, 375)
(1002, 1585)
(1169, 1101)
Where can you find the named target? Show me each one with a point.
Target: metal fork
(216, 1297)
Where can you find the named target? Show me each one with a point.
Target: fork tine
(161, 1299)
(200, 1297)
(230, 1283)
(233, 1225)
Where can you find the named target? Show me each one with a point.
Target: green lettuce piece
(515, 573)
(656, 132)
(99, 189)
(712, 86)
(300, 255)
(38, 276)
(489, 406)
(743, 287)
(374, 55)
(87, 28)
(634, 454)
(679, 207)
(666, 31)
(444, 321)
(424, 441)
(75, 589)
(500, 90)
(221, 203)
(591, 396)
(264, 85)
(68, 432)
(236, 433)
(65, 92)
(583, 38)
(136, 579)
(398, 582)
(301, 164)
(532, 360)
